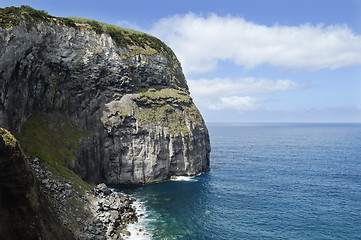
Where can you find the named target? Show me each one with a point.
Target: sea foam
(184, 178)
(138, 230)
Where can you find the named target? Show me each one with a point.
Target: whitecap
(183, 178)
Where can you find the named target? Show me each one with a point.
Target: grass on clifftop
(11, 16)
(54, 140)
(124, 37)
(100, 26)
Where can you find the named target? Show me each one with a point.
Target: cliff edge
(111, 104)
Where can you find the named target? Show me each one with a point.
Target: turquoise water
(266, 181)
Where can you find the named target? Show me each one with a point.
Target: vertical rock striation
(116, 100)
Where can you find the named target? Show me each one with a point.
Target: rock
(102, 188)
(126, 233)
(130, 115)
(118, 114)
(22, 203)
(114, 214)
(45, 181)
(100, 237)
(106, 204)
(97, 221)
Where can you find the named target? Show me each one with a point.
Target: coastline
(142, 230)
(106, 213)
(138, 229)
(95, 213)
(135, 230)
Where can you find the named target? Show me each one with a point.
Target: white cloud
(201, 42)
(234, 94)
(242, 86)
(240, 104)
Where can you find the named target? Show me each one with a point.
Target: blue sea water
(266, 181)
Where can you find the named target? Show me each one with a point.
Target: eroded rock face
(25, 211)
(131, 103)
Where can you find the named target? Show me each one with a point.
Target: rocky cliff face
(111, 104)
(25, 210)
(37, 204)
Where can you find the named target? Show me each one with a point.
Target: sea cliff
(109, 103)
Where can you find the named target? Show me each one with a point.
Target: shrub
(9, 17)
(96, 26)
(39, 14)
(67, 22)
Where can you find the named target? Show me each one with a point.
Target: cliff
(25, 210)
(37, 204)
(111, 104)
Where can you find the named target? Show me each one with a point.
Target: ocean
(266, 181)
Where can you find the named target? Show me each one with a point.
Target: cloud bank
(241, 86)
(201, 42)
(234, 94)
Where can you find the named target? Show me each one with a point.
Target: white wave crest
(183, 178)
(138, 230)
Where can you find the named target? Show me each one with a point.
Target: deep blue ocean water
(266, 181)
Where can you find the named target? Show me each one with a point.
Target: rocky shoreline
(97, 214)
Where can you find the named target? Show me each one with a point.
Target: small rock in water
(126, 232)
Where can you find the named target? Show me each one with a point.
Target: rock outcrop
(109, 103)
(25, 212)
(96, 213)
(36, 204)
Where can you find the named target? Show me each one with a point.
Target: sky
(249, 60)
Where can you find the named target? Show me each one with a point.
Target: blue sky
(254, 60)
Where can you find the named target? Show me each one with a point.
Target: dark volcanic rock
(113, 113)
(24, 209)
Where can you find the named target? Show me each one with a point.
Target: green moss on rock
(168, 107)
(7, 137)
(54, 140)
(161, 96)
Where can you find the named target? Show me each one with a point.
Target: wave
(138, 230)
(184, 178)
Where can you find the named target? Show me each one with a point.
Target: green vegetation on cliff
(124, 37)
(11, 16)
(54, 140)
(8, 138)
(170, 108)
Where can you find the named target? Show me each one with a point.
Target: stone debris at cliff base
(108, 213)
